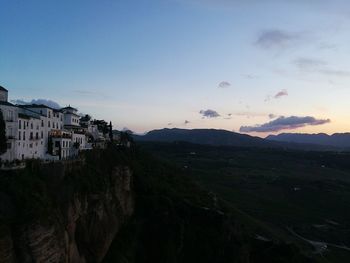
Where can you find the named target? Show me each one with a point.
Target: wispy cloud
(90, 93)
(249, 114)
(276, 39)
(309, 63)
(209, 113)
(49, 103)
(312, 65)
(284, 123)
(249, 76)
(224, 84)
(336, 73)
(280, 94)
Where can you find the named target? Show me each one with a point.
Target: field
(299, 197)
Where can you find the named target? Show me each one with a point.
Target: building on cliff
(41, 132)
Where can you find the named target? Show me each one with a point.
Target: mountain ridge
(221, 137)
(341, 140)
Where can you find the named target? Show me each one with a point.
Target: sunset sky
(147, 64)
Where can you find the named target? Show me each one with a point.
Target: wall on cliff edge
(65, 212)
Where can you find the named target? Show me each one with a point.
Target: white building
(10, 115)
(30, 140)
(71, 117)
(40, 132)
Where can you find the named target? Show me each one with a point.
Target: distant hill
(221, 138)
(341, 140)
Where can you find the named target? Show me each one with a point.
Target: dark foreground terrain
(299, 197)
(182, 203)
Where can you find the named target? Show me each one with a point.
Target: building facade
(40, 132)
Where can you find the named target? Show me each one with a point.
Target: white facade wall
(10, 114)
(3, 95)
(30, 128)
(31, 138)
(51, 120)
(62, 147)
(71, 119)
(80, 139)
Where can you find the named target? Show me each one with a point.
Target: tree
(110, 131)
(3, 140)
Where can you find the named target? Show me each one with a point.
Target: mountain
(222, 138)
(203, 136)
(341, 140)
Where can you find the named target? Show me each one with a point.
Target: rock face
(82, 222)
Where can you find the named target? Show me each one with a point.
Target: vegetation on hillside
(285, 192)
(178, 221)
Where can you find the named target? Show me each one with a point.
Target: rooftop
(69, 108)
(36, 106)
(2, 88)
(6, 103)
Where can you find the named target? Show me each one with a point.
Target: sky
(256, 67)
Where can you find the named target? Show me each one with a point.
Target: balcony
(60, 134)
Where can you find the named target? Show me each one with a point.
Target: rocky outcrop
(81, 223)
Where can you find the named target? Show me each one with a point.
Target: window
(49, 124)
(20, 124)
(42, 134)
(9, 145)
(31, 136)
(19, 135)
(24, 135)
(37, 136)
(49, 114)
(31, 125)
(42, 123)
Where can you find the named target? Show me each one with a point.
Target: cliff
(65, 212)
(124, 206)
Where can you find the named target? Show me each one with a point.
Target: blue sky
(150, 64)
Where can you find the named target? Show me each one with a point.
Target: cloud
(280, 94)
(311, 65)
(276, 39)
(284, 123)
(272, 116)
(249, 76)
(224, 84)
(337, 73)
(249, 114)
(186, 122)
(49, 103)
(170, 123)
(209, 114)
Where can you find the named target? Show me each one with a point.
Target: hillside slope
(222, 138)
(341, 140)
